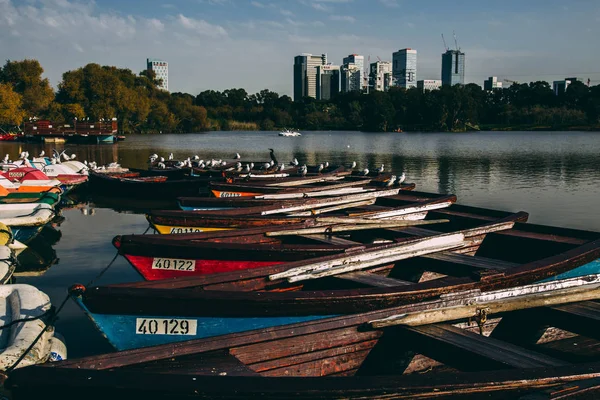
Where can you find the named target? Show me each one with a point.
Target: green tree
(25, 77)
(11, 112)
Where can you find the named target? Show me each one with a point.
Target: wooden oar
(385, 254)
(355, 227)
(322, 193)
(367, 259)
(323, 210)
(307, 181)
(473, 304)
(402, 211)
(331, 202)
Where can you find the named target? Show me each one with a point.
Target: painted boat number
(185, 230)
(160, 326)
(174, 264)
(230, 194)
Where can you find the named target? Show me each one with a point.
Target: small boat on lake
(492, 251)
(215, 215)
(289, 133)
(26, 220)
(533, 341)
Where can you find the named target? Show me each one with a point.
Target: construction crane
(455, 41)
(445, 45)
(510, 81)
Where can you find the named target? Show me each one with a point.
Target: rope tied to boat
(103, 271)
(51, 320)
(481, 318)
(53, 317)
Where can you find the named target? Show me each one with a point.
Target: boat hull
(133, 331)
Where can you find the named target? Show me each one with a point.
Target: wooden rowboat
(521, 355)
(222, 249)
(241, 213)
(426, 263)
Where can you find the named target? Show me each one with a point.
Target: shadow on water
(554, 176)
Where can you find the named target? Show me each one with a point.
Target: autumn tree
(11, 112)
(25, 77)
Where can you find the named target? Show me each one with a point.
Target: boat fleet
(277, 279)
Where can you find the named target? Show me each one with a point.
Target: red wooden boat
(158, 257)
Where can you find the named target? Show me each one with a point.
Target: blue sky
(219, 44)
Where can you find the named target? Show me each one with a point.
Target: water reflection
(553, 176)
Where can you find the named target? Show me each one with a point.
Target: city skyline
(207, 41)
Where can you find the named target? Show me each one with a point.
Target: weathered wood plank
(458, 306)
(472, 261)
(355, 227)
(368, 259)
(375, 280)
(490, 352)
(353, 198)
(322, 210)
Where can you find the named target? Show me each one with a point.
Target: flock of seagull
(56, 158)
(195, 161)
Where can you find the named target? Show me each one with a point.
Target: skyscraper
(380, 75)
(328, 81)
(352, 72)
(492, 83)
(305, 74)
(161, 71)
(453, 68)
(404, 68)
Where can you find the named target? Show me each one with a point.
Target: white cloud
(344, 18)
(257, 4)
(321, 7)
(201, 27)
(285, 12)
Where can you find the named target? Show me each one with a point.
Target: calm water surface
(555, 176)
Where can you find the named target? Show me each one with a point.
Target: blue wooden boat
(477, 249)
(126, 332)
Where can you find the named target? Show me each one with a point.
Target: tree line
(96, 92)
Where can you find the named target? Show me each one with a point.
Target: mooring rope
(53, 317)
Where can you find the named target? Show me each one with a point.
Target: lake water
(555, 176)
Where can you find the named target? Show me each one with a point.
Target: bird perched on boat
(42, 153)
(161, 165)
(366, 171)
(237, 156)
(380, 169)
(201, 165)
(85, 163)
(326, 164)
(273, 158)
(303, 170)
(266, 166)
(6, 157)
(247, 168)
(401, 179)
(272, 163)
(320, 168)
(73, 156)
(353, 165)
(282, 167)
(162, 159)
(238, 166)
(223, 163)
(295, 162)
(391, 181)
(251, 165)
(171, 156)
(196, 158)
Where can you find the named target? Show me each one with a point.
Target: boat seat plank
(544, 236)
(472, 261)
(375, 280)
(480, 349)
(582, 318)
(218, 362)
